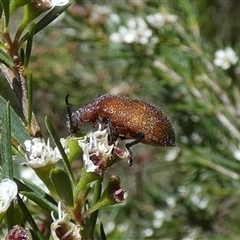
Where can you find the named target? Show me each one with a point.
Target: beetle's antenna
(68, 113)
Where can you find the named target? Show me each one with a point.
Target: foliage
(163, 52)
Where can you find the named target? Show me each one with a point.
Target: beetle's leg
(112, 137)
(138, 138)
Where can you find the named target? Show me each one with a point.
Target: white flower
(197, 199)
(171, 202)
(63, 228)
(114, 18)
(54, 3)
(183, 191)
(170, 18)
(158, 214)
(102, 9)
(225, 58)
(236, 154)
(97, 152)
(172, 154)
(159, 217)
(40, 154)
(136, 30)
(95, 144)
(99, 14)
(158, 20)
(148, 232)
(109, 227)
(8, 191)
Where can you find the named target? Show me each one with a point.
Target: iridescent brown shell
(130, 116)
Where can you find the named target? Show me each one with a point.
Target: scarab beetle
(127, 118)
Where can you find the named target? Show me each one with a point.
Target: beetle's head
(74, 121)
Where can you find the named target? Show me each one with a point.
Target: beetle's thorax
(87, 113)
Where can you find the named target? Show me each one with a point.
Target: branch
(19, 86)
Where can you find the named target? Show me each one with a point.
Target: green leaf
(28, 185)
(29, 45)
(18, 131)
(29, 218)
(41, 202)
(102, 233)
(30, 99)
(5, 5)
(5, 58)
(94, 215)
(63, 185)
(46, 20)
(15, 4)
(60, 147)
(6, 143)
(37, 195)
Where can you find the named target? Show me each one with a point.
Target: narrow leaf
(46, 20)
(19, 132)
(33, 187)
(29, 218)
(102, 232)
(29, 45)
(47, 203)
(30, 100)
(6, 143)
(5, 5)
(40, 201)
(60, 147)
(65, 192)
(5, 58)
(97, 195)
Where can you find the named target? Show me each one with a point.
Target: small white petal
(129, 37)
(236, 154)
(171, 202)
(69, 229)
(59, 3)
(159, 214)
(114, 18)
(9, 187)
(40, 154)
(148, 232)
(157, 223)
(225, 58)
(8, 191)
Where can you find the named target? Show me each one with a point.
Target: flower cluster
(136, 30)
(225, 58)
(8, 191)
(18, 233)
(99, 14)
(63, 228)
(194, 195)
(39, 154)
(158, 20)
(97, 153)
(161, 216)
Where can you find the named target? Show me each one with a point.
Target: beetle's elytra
(128, 119)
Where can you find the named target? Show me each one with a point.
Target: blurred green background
(191, 191)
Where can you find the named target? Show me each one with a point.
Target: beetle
(127, 118)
